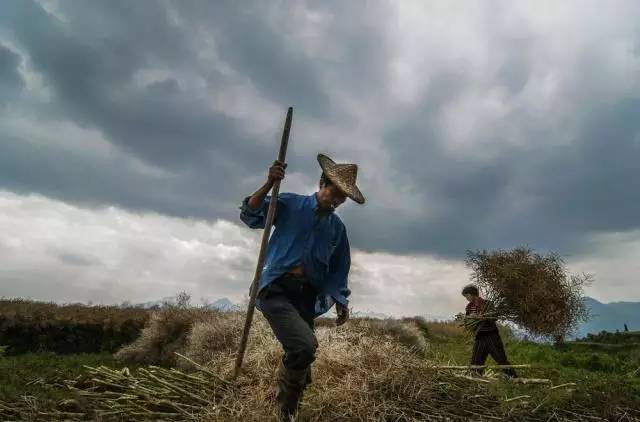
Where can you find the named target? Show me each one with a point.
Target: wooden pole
(263, 248)
(484, 366)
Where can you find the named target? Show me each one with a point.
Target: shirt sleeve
(471, 309)
(340, 264)
(256, 218)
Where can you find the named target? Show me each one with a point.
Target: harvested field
(365, 370)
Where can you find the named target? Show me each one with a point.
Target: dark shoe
(510, 373)
(291, 384)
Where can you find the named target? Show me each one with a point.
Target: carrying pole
(263, 248)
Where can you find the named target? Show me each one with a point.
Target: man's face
(469, 297)
(330, 197)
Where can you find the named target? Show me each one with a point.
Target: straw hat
(343, 176)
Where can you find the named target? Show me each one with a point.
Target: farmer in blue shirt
(306, 268)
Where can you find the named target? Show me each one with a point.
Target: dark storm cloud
(541, 191)
(257, 40)
(90, 73)
(458, 196)
(92, 79)
(594, 185)
(548, 197)
(11, 82)
(247, 41)
(79, 177)
(89, 60)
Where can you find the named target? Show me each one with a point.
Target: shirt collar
(316, 206)
(314, 201)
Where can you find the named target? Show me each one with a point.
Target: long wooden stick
(263, 247)
(484, 366)
(531, 380)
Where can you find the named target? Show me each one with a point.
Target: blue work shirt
(304, 236)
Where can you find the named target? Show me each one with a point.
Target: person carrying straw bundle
(527, 289)
(487, 340)
(306, 268)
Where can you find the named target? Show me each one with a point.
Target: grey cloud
(81, 260)
(92, 78)
(11, 82)
(80, 177)
(528, 192)
(261, 52)
(516, 68)
(160, 123)
(594, 184)
(538, 195)
(256, 40)
(89, 61)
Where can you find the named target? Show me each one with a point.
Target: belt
(297, 271)
(298, 290)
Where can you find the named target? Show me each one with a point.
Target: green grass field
(36, 374)
(606, 376)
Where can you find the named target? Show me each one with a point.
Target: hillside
(610, 317)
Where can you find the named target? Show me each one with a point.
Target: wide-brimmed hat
(343, 176)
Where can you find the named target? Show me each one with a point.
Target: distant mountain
(368, 314)
(610, 317)
(223, 304)
(169, 300)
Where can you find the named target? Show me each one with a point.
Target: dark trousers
(489, 343)
(288, 305)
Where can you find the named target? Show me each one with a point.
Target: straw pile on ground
(531, 290)
(366, 370)
(197, 332)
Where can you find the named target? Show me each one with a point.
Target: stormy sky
(131, 131)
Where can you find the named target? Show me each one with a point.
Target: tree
(183, 300)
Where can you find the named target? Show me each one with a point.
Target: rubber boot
(291, 385)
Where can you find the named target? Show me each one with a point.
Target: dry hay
(531, 290)
(169, 330)
(365, 370)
